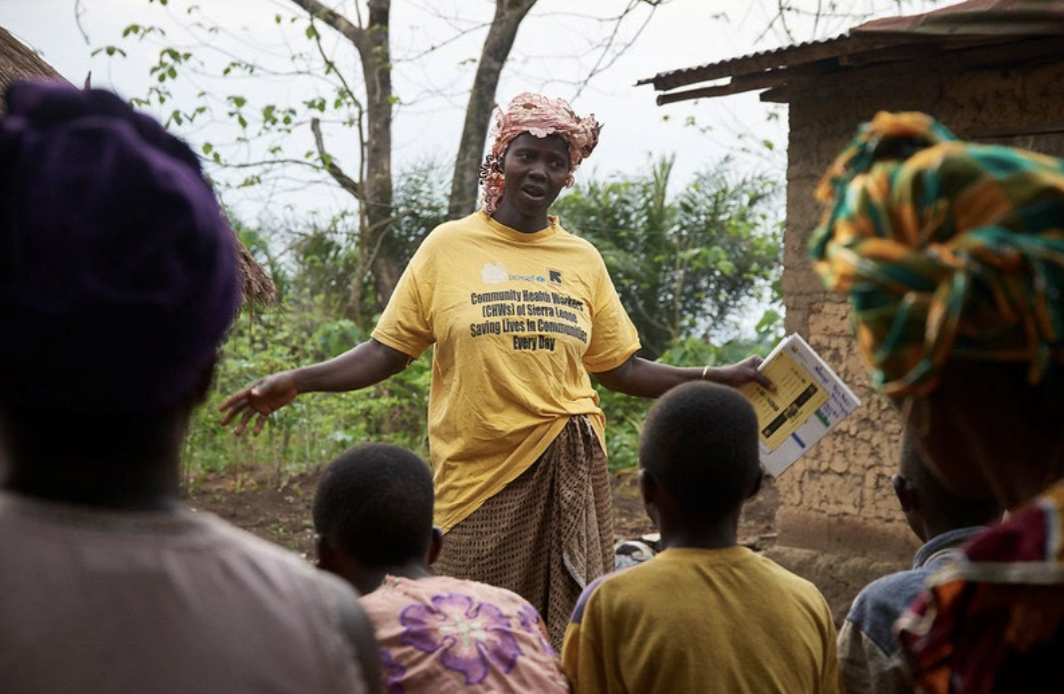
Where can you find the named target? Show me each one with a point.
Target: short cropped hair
(700, 444)
(375, 502)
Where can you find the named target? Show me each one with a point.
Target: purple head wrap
(118, 274)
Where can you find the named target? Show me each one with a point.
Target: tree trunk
(374, 245)
(501, 35)
(378, 248)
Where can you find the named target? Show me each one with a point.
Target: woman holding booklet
(518, 311)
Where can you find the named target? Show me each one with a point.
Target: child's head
(700, 446)
(931, 509)
(373, 511)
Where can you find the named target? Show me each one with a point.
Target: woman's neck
(101, 462)
(507, 215)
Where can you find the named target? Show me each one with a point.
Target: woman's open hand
(261, 398)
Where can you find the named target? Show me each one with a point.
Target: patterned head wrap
(118, 275)
(540, 116)
(946, 248)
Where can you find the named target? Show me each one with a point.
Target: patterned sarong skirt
(547, 534)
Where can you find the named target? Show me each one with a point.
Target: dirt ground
(280, 512)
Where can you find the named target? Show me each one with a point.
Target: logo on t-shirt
(493, 273)
(555, 276)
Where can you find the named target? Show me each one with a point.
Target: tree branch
(79, 12)
(332, 65)
(316, 126)
(342, 24)
(599, 66)
(264, 163)
(459, 35)
(493, 56)
(346, 182)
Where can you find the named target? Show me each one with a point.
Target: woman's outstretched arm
(649, 379)
(369, 363)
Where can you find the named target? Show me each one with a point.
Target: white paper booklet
(809, 401)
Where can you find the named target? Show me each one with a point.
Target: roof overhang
(1029, 26)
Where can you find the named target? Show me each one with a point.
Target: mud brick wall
(839, 522)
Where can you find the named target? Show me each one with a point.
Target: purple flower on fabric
(392, 672)
(531, 622)
(470, 636)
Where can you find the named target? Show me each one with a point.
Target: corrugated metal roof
(965, 24)
(752, 62)
(978, 18)
(766, 61)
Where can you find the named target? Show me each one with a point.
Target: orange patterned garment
(995, 622)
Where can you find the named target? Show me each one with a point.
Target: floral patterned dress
(443, 634)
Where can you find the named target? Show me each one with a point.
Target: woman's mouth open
(533, 191)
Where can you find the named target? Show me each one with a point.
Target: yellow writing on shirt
(522, 312)
(781, 412)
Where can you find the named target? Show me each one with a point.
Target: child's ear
(905, 491)
(326, 553)
(648, 487)
(756, 487)
(435, 545)
(653, 495)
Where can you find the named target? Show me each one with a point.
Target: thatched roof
(258, 284)
(18, 61)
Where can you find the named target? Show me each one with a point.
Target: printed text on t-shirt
(521, 312)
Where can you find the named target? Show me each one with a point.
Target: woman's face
(536, 169)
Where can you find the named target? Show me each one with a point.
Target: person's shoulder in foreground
(697, 617)
(182, 600)
(373, 517)
(868, 649)
(119, 271)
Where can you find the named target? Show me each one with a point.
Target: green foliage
(316, 427)
(258, 117)
(685, 265)
(327, 261)
(420, 201)
(420, 205)
(314, 285)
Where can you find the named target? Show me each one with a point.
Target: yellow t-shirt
(518, 320)
(691, 621)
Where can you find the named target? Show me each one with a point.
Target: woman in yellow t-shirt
(519, 311)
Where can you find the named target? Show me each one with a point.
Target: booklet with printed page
(809, 401)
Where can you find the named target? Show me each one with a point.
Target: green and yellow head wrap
(946, 249)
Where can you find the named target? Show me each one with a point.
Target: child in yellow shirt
(705, 615)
